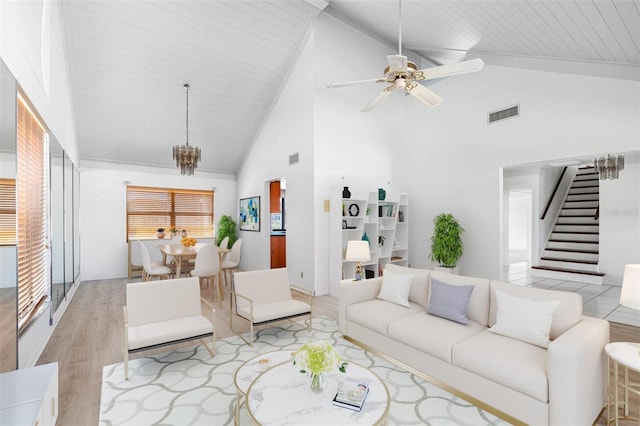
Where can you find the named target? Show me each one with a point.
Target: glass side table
(627, 355)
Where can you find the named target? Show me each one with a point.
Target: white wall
(103, 209)
(352, 148)
(450, 159)
(287, 131)
(620, 221)
(31, 44)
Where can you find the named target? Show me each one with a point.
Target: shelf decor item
(358, 251)
(446, 241)
(346, 193)
(382, 194)
(316, 359)
(354, 209)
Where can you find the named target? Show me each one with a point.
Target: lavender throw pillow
(449, 301)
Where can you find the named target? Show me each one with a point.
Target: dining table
(180, 253)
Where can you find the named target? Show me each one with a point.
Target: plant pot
(160, 235)
(455, 270)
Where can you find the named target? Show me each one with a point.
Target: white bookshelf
(385, 224)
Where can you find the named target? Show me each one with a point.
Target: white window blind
(7, 212)
(32, 251)
(151, 208)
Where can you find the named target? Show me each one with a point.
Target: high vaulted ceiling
(128, 60)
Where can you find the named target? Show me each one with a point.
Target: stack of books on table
(352, 393)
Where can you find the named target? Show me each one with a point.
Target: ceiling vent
(503, 114)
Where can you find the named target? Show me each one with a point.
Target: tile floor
(601, 301)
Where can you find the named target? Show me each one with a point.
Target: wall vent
(503, 114)
(294, 158)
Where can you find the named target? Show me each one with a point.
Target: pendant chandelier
(186, 156)
(610, 167)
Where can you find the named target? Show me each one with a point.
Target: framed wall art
(250, 214)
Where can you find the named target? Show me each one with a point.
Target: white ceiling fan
(404, 75)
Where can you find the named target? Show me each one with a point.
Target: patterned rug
(188, 387)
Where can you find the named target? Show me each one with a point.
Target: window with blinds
(151, 208)
(31, 190)
(7, 212)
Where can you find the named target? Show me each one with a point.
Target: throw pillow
(449, 301)
(524, 319)
(395, 288)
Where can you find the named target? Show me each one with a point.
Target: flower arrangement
(316, 359)
(160, 230)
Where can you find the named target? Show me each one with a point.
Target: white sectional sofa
(561, 384)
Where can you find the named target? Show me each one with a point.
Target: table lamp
(630, 293)
(358, 251)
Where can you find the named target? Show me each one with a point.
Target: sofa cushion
(377, 314)
(145, 335)
(432, 335)
(478, 309)
(512, 363)
(566, 316)
(395, 288)
(176, 298)
(449, 301)
(419, 285)
(524, 319)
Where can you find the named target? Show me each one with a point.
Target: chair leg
(220, 291)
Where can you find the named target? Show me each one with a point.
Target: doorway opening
(278, 222)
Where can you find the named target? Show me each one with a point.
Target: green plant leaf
(446, 241)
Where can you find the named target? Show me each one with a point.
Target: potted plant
(446, 242)
(160, 233)
(226, 228)
(173, 231)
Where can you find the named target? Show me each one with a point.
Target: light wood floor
(90, 335)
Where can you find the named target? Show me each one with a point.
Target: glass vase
(317, 382)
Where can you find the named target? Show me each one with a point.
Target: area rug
(189, 387)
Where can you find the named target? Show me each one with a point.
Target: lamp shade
(630, 293)
(357, 251)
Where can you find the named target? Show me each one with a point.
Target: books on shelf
(352, 393)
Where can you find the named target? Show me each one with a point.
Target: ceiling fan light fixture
(186, 156)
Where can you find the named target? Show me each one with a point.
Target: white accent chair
(161, 313)
(231, 261)
(224, 244)
(262, 297)
(149, 269)
(207, 268)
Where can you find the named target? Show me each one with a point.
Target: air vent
(294, 158)
(504, 113)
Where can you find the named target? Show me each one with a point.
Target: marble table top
(282, 395)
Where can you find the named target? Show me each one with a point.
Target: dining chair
(231, 261)
(176, 240)
(149, 269)
(224, 244)
(207, 268)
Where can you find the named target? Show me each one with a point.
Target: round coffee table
(249, 370)
(282, 395)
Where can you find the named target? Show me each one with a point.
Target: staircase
(571, 252)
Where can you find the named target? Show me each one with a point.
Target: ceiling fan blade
(397, 63)
(387, 90)
(423, 94)
(449, 70)
(353, 83)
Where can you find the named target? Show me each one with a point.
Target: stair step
(578, 265)
(590, 212)
(579, 243)
(564, 274)
(562, 259)
(573, 245)
(589, 196)
(581, 177)
(571, 271)
(584, 190)
(571, 250)
(587, 183)
(588, 204)
(575, 236)
(576, 229)
(576, 220)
